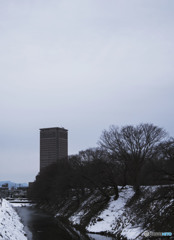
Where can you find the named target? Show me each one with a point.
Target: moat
(39, 225)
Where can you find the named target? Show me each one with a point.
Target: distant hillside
(13, 184)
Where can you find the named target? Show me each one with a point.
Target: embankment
(11, 227)
(126, 218)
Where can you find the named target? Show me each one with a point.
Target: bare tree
(91, 154)
(132, 146)
(166, 159)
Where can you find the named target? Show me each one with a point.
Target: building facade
(53, 145)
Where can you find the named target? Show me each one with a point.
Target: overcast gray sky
(81, 65)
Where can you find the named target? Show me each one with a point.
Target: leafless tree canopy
(132, 145)
(137, 142)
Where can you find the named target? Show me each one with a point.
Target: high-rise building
(53, 145)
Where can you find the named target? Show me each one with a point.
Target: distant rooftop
(53, 128)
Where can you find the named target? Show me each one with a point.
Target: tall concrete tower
(53, 145)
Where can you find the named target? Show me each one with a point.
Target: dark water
(41, 226)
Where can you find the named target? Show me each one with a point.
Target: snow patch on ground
(117, 217)
(10, 226)
(77, 216)
(107, 218)
(22, 204)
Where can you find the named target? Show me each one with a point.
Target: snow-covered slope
(115, 218)
(10, 226)
(130, 215)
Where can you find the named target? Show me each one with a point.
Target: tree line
(128, 155)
